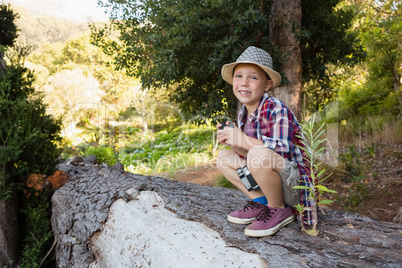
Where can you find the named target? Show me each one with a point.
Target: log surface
(81, 207)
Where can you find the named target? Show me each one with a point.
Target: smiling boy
(265, 161)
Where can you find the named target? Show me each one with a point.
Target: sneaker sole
(271, 231)
(240, 220)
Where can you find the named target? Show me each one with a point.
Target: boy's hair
(266, 74)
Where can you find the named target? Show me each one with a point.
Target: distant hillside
(40, 30)
(73, 10)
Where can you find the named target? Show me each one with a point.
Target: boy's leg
(228, 162)
(265, 165)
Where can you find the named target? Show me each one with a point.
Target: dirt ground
(376, 191)
(206, 175)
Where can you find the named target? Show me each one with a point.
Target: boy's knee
(225, 158)
(259, 157)
(225, 153)
(258, 151)
(264, 158)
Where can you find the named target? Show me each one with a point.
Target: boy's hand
(220, 134)
(222, 125)
(230, 135)
(234, 137)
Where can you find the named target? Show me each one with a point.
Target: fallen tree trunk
(81, 212)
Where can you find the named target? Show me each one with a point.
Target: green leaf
(320, 173)
(324, 189)
(301, 187)
(325, 202)
(312, 232)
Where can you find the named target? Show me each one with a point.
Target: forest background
(127, 108)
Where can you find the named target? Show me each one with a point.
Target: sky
(74, 10)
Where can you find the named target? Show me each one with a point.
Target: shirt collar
(255, 114)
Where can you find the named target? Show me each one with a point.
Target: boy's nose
(244, 82)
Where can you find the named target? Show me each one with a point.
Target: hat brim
(227, 72)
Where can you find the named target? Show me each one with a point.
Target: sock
(263, 200)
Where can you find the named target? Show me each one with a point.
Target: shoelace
(266, 214)
(251, 205)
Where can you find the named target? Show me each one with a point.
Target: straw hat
(256, 56)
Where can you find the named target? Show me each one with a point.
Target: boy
(265, 162)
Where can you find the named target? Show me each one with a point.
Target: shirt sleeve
(277, 134)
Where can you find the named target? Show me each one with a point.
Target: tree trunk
(93, 225)
(9, 248)
(2, 63)
(285, 14)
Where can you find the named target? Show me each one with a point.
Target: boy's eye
(237, 76)
(254, 77)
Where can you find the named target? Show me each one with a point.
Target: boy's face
(250, 82)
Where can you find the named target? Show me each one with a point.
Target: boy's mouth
(244, 92)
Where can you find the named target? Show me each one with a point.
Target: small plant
(103, 155)
(36, 212)
(224, 183)
(38, 182)
(311, 141)
(371, 149)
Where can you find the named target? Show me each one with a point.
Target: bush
(28, 137)
(28, 144)
(103, 155)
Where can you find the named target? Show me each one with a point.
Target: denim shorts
(290, 176)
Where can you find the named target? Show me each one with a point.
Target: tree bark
(284, 15)
(9, 248)
(82, 206)
(2, 63)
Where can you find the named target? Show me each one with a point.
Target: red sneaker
(269, 221)
(246, 215)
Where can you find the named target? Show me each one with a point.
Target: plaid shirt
(275, 124)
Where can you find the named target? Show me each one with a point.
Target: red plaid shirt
(275, 124)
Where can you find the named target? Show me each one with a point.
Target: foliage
(80, 83)
(8, 30)
(361, 184)
(37, 230)
(36, 212)
(382, 38)
(373, 87)
(311, 140)
(186, 43)
(328, 39)
(37, 182)
(28, 144)
(103, 155)
(24, 126)
(328, 55)
(378, 129)
(185, 146)
(224, 183)
(355, 164)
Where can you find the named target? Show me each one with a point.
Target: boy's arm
(240, 151)
(238, 140)
(279, 127)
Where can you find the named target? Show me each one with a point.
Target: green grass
(224, 183)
